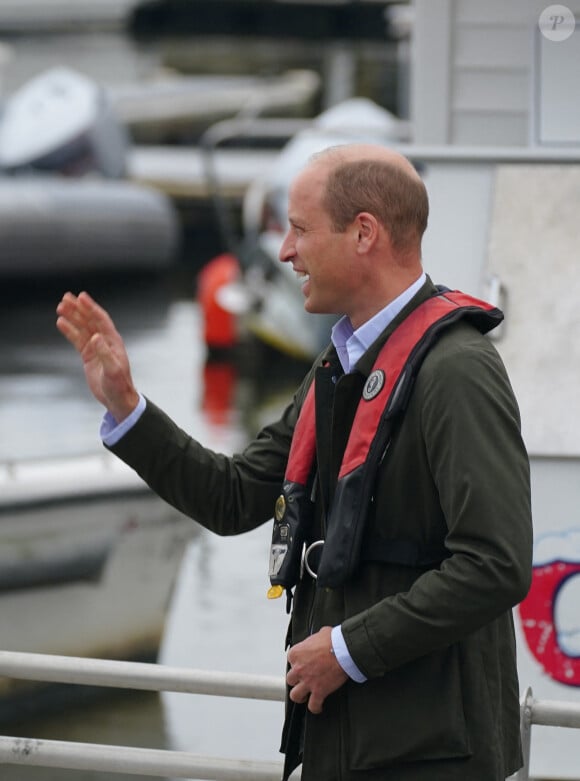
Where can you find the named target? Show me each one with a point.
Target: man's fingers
(71, 322)
(94, 317)
(76, 335)
(66, 328)
(315, 704)
(81, 319)
(298, 690)
(301, 693)
(84, 312)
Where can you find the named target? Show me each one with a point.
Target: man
(401, 662)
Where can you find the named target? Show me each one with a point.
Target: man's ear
(367, 231)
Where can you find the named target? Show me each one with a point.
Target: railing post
(526, 713)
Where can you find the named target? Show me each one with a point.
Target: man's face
(321, 257)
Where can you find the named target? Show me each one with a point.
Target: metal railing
(549, 713)
(181, 764)
(126, 759)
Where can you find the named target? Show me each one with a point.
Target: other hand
(314, 671)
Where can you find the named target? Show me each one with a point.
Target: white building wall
(475, 70)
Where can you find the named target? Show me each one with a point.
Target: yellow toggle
(275, 592)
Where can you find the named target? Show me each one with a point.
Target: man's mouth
(303, 277)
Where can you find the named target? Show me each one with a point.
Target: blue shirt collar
(350, 345)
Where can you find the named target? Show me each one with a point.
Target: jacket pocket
(413, 713)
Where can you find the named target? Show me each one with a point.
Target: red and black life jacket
(384, 399)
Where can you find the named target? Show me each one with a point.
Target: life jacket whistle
(384, 399)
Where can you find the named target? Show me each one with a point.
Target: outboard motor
(62, 122)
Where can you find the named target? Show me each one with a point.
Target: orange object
(219, 389)
(220, 329)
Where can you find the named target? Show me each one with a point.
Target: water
(220, 618)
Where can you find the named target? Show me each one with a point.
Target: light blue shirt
(350, 345)
(112, 432)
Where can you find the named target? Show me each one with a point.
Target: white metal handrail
(133, 761)
(549, 713)
(138, 675)
(126, 759)
(180, 764)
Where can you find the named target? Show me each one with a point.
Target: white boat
(65, 205)
(183, 105)
(88, 560)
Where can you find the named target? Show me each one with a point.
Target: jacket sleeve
(226, 494)
(469, 428)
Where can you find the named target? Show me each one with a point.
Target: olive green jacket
(437, 647)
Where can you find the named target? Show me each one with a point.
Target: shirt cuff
(343, 657)
(112, 432)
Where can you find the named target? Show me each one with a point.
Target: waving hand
(89, 328)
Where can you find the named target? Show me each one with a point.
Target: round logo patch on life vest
(374, 384)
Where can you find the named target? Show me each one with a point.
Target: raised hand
(89, 328)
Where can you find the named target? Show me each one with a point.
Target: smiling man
(338, 247)
(398, 482)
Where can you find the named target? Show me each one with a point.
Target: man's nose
(286, 252)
